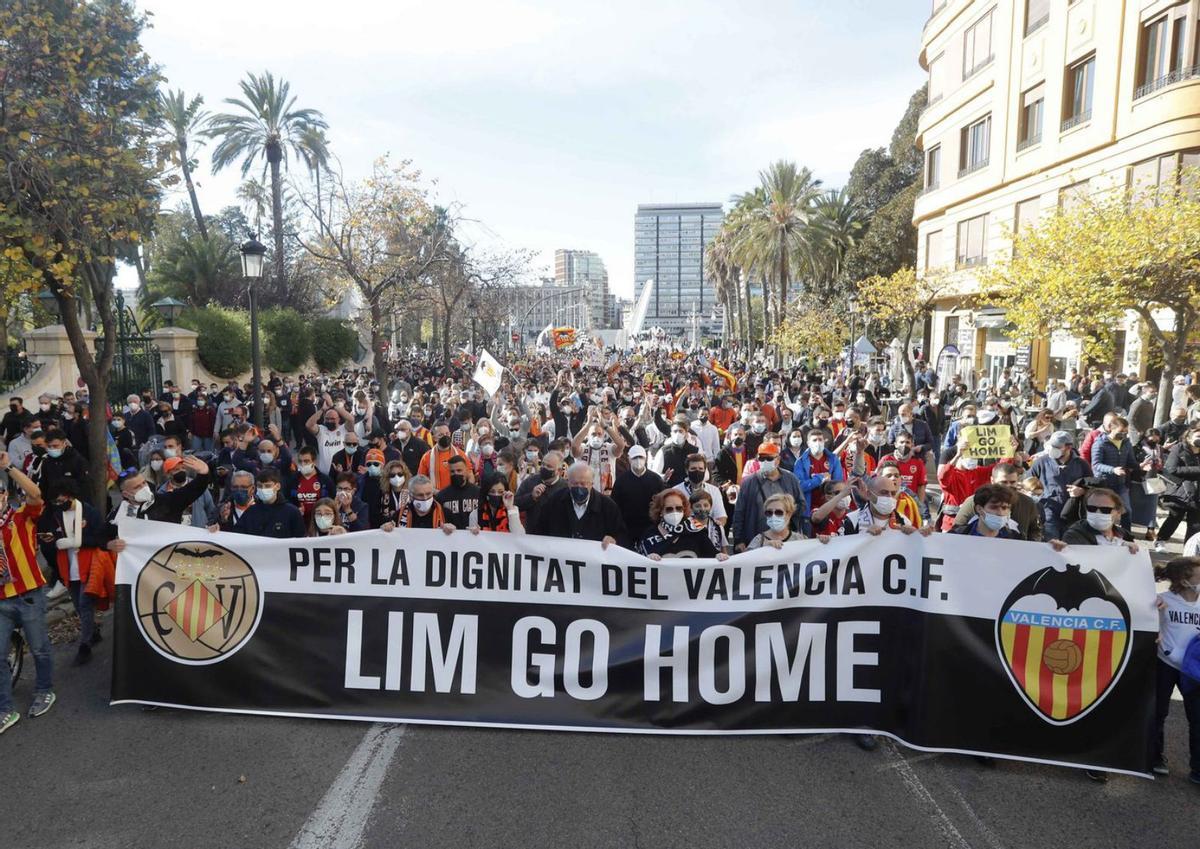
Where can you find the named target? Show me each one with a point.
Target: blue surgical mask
(54, 452)
(994, 521)
(579, 494)
(776, 523)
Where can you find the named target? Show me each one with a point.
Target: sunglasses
(774, 513)
(1104, 510)
(374, 465)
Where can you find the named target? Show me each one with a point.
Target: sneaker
(866, 742)
(82, 656)
(1160, 767)
(57, 592)
(8, 720)
(1097, 775)
(97, 637)
(42, 702)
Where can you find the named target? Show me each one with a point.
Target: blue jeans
(27, 610)
(202, 443)
(85, 606)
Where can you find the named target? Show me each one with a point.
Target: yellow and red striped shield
(1064, 639)
(195, 610)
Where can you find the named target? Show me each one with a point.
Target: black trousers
(1190, 518)
(1166, 680)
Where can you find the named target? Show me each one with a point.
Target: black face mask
(547, 475)
(696, 476)
(495, 500)
(443, 442)
(458, 480)
(179, 478)
(737, 441)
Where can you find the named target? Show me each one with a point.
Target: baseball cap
(171, 464)
(768, 449)
(987, 417)
(1060, 438)
(637, 451)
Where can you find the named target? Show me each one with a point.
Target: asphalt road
(90, 775)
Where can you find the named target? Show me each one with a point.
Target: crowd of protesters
(654, 452)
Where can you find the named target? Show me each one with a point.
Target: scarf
(601, 461)
(5, 571)
(72, 522)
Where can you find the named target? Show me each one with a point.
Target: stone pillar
(50, 347)
(178, 347)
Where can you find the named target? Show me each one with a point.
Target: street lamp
(852, 306)
(473, 305)
(254, 254)
(49, 302)
(169, 308)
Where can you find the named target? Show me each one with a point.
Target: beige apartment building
(1033, 104)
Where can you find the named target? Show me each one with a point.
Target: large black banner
(945, 643)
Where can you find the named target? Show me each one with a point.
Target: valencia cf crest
(197, 602)
(1064, 638)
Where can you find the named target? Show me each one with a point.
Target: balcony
(1076, 120)
(986, 63)
(969, 262)
(1034, 26)
(1165, 80)
(932, 187)
(971, 169)
(1025, 144)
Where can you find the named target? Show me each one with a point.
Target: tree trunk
(445, 319)
(379, 359)
(191, 189)
(1174, 352)
(274, 156)
(910, 373)
(749, 316)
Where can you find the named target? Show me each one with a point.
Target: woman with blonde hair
(778, 510)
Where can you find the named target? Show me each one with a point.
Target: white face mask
(423, 505)
(970, 463)
(305, 468)
(677, 439)
(1054, 453)
(596, 441)
(673, 517)
(156, 465)
(759, 427)
(885, 504)
(486, 450)
(266, 494)
(796, 441)
(144, 495)
(396, 481)
(767, 466)
(1100, 521)
(844, 503)
(323, 521)
(638, 464)
(816, 447)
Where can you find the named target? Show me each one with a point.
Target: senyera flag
(947, 643)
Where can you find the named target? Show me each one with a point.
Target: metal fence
(17, 368)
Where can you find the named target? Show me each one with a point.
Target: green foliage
(224, 343)
(195, 269)
(333, 343)
(889, 244)
(287, 341)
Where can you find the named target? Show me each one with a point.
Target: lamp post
(254, 254)
(852, 306)
(473, 306)
(169, 308)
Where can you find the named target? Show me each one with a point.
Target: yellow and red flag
(725, 374)
(563, 336)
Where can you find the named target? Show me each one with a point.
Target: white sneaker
(58, 592)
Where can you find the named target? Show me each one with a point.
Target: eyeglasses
(774, 513)
(1105, 510)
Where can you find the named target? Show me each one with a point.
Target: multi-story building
(1033, 104)
(585, 268)
(670, 241)
(531, 308)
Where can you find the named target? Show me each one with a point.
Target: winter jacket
(803, 472)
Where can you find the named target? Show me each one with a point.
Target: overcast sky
(549, 122)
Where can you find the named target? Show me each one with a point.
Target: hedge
(286, 340)
(224, 340)
(333, 343)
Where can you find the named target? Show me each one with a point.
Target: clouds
(551, 121)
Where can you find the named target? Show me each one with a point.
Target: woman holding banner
(676, 533)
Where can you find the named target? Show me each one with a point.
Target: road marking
(913, 760)
(917, 787)
(340, 819)
(988, 835)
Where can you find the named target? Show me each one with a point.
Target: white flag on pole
(488, 372)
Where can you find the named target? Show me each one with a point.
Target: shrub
(224, 342)
(286, 340)
(333, 343)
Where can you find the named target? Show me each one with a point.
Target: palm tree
(314, 150)
(255, 199)
(720, 269)
(182, 120)
(269, 124)
(776, 232)
(837, 221)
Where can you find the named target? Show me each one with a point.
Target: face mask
(54, 452)
(179, 478)
(816, 447)
(144, 495)
(970, 463)
(696, 475)
(885, 504)
(323, 521)
(547, 475)
(44, 406)
(265, 458)
(596, 441)
(738, 441)
(351, 448)
(673, 517)
(677, 439)
(156, 465)
(305, 468)
(844, 503)
(776, 523)
(759, 427)
(241, 497)
(118, 424)
(495, 500)
(579, 494)
(969, 420)
(458, 480)
(638, 465)
(423, 505)
(1100, 521)
(374, 470)
(903, 453)
(877, 439)
(1117, 439)
(530, 456)
(200, 402)
(1054, 453)
(266, 494)
(396, 480)
(443, 442)
(766, 466)
(796, 441)
(994, 521)
(135, 407)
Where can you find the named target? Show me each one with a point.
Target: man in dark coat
(580, 512)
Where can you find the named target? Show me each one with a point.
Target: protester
(675, 533)
(272, 515)
(579, 512)
(634, 490)
(1179, 625)
(497, 510)
(1182, 500)
(325, 519)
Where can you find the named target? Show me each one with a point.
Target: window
(937, 87)
(977, 45)
(1155, 179)
(933, 167)
(972, 238)
(1162, 51)
(1072, 196)
(974, 147)
(1033, 102)
(933, 249)
(950, 330)
(1077, 100)
(1025, 218)
(1037, 13)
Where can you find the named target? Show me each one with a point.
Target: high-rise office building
(670, 241)
(585, 268)
(1034, 105)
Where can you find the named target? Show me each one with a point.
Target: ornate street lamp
(49, 302)
(169, 308)
(254, 255)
